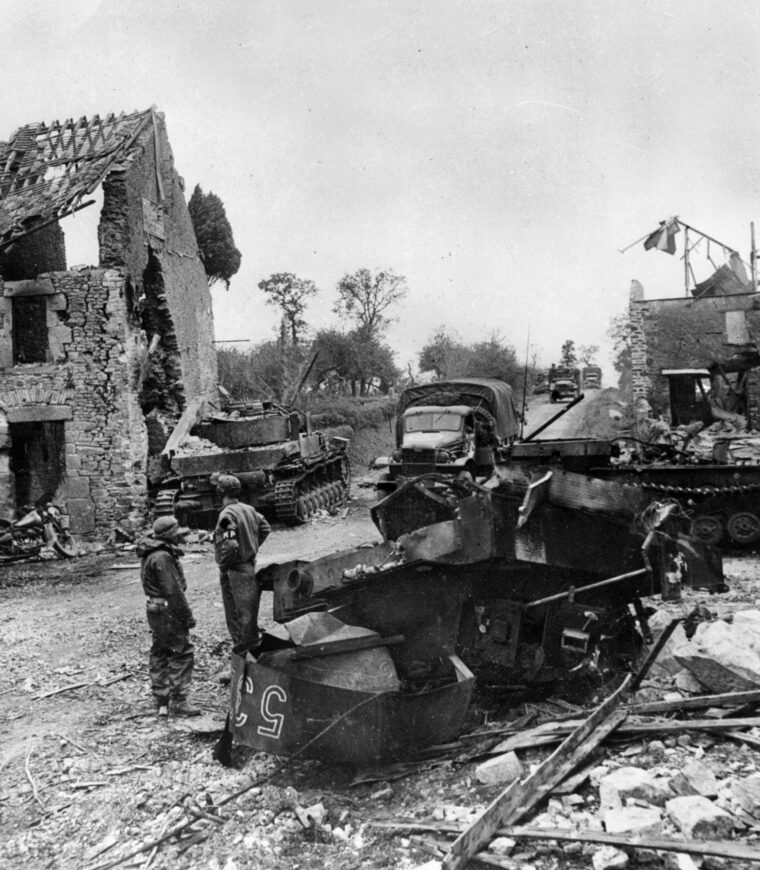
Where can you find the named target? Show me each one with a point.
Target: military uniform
(169, 616)
(239, 532)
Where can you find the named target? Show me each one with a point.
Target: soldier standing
(239, 532)
(169, 617)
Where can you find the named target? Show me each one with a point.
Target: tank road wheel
(707, 528)
(302, 511)
(744, 527)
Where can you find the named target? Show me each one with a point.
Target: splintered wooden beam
(520, 797)
(718, 848)
(727, 699)
(190, 416)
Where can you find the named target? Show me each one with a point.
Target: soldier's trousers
(172, 657)
(240, 596)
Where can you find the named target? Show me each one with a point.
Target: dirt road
(540, 410)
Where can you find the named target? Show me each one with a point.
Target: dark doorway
(30, 336)
(38, 459)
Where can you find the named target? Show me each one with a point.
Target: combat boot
(181, 707)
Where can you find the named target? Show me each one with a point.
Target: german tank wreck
(286, 469)
(535, 577)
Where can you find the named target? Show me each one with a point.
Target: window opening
(30, 336)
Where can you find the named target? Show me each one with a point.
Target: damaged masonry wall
(689, 333)
(76, 378)
(88, 389)
(145, 227)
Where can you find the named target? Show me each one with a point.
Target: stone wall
(145, 229)
(89, 384)
(688, 333)
(41, 251)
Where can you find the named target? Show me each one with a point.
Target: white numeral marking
(274, 721)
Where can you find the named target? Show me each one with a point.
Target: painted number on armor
(240, 717)
(274, 721)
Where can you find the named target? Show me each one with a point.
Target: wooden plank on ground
(521, 797)
(718, 848)
(714, 676)
(553, 732)
(727, 699)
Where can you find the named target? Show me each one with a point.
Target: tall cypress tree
(221, 259)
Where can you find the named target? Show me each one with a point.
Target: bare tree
(365, 297)
(290, 294)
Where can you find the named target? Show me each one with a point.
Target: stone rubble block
(695, 778)
(698, 818)
(598, 773)
(631, 782)
(633, 820)
(609, 858)
(747, 793)
(502, 845)
(500, 769)
(686, 682)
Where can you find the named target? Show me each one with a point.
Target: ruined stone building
(709, 331)
(92, 357)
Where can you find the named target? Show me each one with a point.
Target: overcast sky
(497, 154)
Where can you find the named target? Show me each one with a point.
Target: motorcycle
(44, 527)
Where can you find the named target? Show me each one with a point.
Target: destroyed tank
(287, 471)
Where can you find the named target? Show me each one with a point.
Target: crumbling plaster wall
(686, 333)
(90, 385)
(144, 213)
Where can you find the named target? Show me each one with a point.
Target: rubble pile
(195, 446)
(724, 442)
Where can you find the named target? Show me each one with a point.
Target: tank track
(298, 499)
(668, 489)
(165, 503)
(709, 526)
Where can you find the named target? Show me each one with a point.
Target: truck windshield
(433, 421)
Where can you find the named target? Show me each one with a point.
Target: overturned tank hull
(531, 579)
(530, 576)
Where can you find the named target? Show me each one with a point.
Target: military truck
(456, 427)
(564, 383)
(287, 471)
(591, 377)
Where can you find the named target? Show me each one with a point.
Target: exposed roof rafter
(46, 171)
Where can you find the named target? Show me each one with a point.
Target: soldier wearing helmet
(239, 532)
(170, 619)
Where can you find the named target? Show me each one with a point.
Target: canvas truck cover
(495, 396)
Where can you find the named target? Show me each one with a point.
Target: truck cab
(436, 439)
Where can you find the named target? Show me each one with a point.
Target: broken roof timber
(46, 171)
